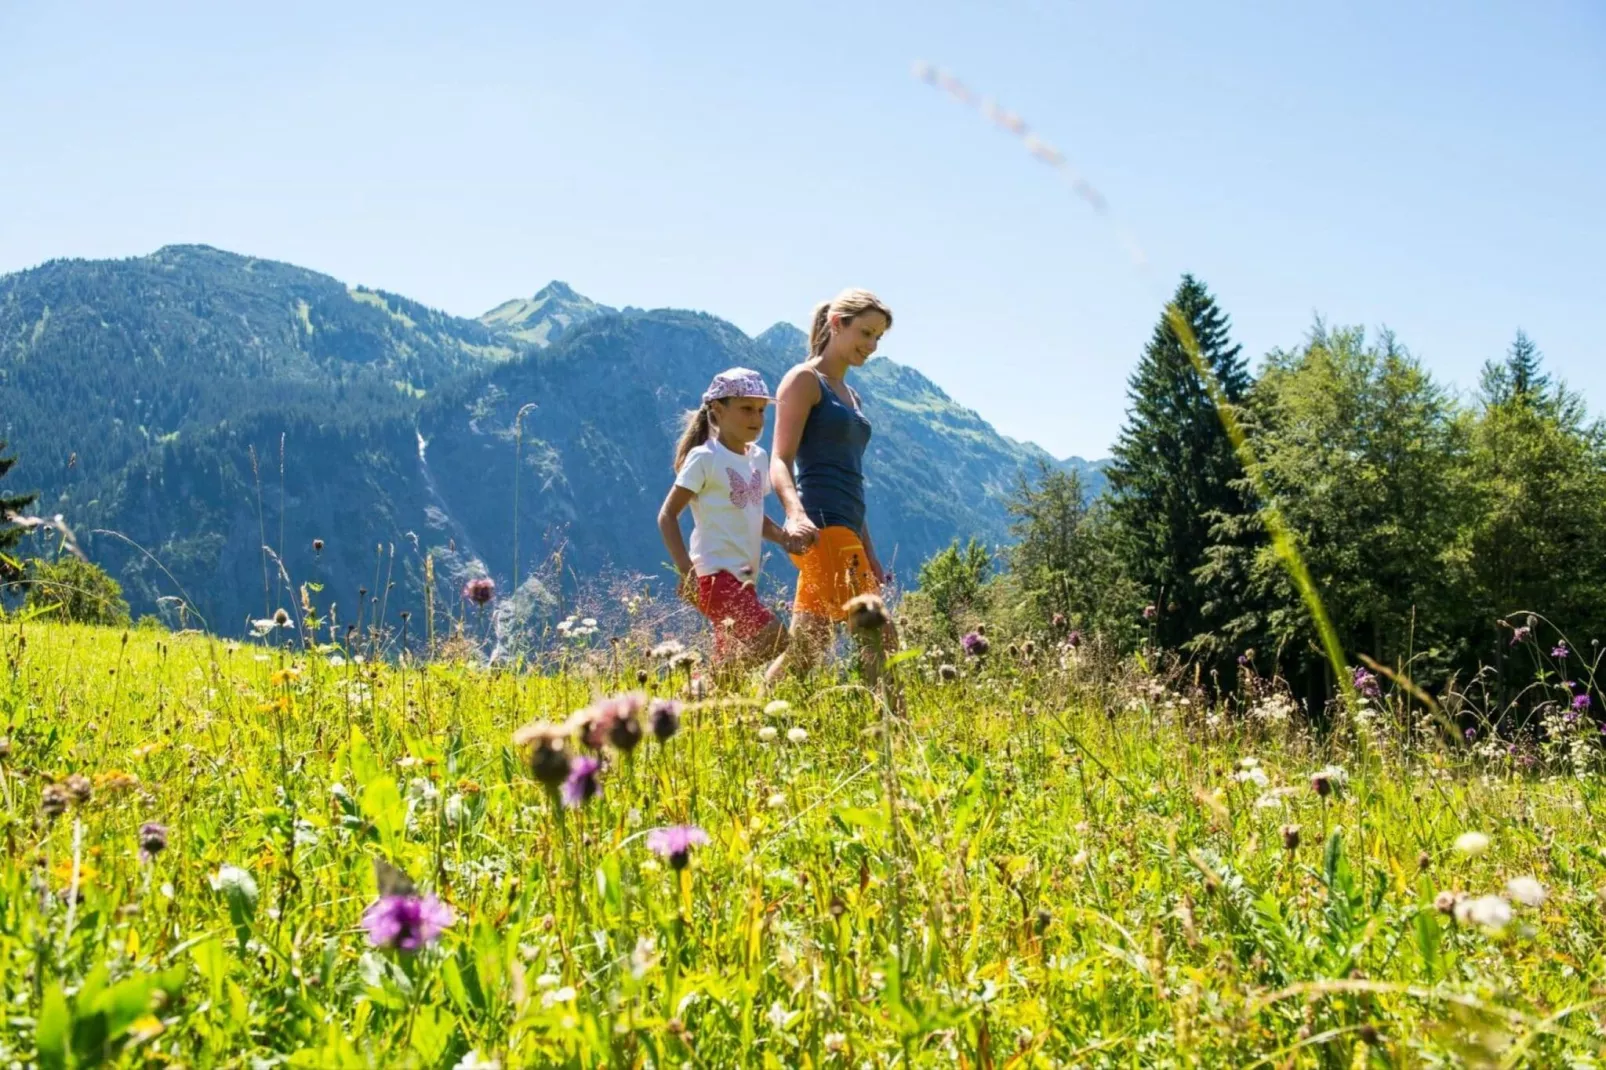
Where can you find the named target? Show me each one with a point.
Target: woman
(821, 432)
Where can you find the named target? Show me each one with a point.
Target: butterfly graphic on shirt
(745, 492)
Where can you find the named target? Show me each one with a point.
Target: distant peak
(557, 291)
(783, 338)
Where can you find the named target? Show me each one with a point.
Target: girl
(821, 429)
(723, 474)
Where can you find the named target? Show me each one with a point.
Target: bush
(75, 590)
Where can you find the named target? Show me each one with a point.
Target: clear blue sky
(1439, 168)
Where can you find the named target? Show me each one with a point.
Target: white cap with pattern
(737, 383)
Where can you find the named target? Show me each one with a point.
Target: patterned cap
(737, 383)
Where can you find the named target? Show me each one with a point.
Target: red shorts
(734, 609)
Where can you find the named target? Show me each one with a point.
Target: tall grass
(1049, 860)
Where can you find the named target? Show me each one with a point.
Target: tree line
(1433, 527)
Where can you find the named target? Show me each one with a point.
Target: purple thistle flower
(582, 783)
(1366, 683)
(1581, 703)
(663, 717)
(975, 644)
(1520, 634)
(1073, 640)
(479, 591)
(674, 844)
(406, 922)
(1560, 651)
(1471, 734)
(1150, 612)
(152, 840)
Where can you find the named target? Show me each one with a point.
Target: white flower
(548, 980)
(335, 661)
(1472, 843)
(835, 1042)
(455, 811)
(1248, 763)
(1079, 859)
(230, 878)
(475, 1061)
(767, 733)
(777, 801)
(1253, 775)
(1490, 912)
(589, 622)
(262, 627)
(779, 1016)
(797, 735)
(1526, 890)
(558, 995)
(776, 708)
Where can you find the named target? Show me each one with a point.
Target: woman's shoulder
(800, 380)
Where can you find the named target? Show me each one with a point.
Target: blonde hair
(848, 304)
(694, 431)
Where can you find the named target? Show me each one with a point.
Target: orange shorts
(833, 572)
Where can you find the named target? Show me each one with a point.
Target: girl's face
(740, 420)
(856, 339)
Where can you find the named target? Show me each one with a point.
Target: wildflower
(1520, 634)
(835, 1042)
(777, 708)
(232, 880)
(767, 734)
(53, 801)
(663, 717)
(1073, 640)
(1329, 780)
(1291, 837)
(317, 546)
(79, 788)
(1445, 902)
(1028, 649)
(479, 591)
(1366, 684)
(589, 622)
(1058, 621)
(674, 844)
(406, 922)
(1150, 612)
(1526, 890)
(1560, 652)
(115, 781)
(1470, 734)
(697, 689)
(152, 840)
(1472, 844)
(975, 644)
(947, 672)
(619, 720)
(1489, 912)
(667, 649)
(1581, 703)
(777, 801)
(281, 618)
(797, 735)
(582, 784)
(866, 613)
(1253, 775)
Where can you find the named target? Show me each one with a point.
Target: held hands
(800, 534)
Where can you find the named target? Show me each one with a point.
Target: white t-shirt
(728, 512)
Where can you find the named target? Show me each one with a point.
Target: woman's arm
(669, 527)
(799, 393)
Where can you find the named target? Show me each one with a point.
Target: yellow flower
(146, 1026)
(283, 677)
(115, 780)
(62, 872)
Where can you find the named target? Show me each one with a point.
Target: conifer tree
(10, 534)
(1175, 474)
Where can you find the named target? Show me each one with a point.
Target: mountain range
(186, 409)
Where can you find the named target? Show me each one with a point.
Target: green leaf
(857, 816)
(50, 1032)
(382, 805)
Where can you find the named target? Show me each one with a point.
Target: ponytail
(820, 333)
(847, 304)
(695, 431)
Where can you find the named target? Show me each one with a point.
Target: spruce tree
(1175, 473)
(10, 534)
(1519, 377)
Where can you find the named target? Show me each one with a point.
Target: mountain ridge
(200, 401)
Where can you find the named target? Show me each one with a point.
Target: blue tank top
(830, 462)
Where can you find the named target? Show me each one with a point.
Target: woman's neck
(835, 368)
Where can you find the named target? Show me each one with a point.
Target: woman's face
(856, 339)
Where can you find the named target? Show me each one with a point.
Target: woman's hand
(802, 533)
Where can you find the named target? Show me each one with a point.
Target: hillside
(136, 392)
